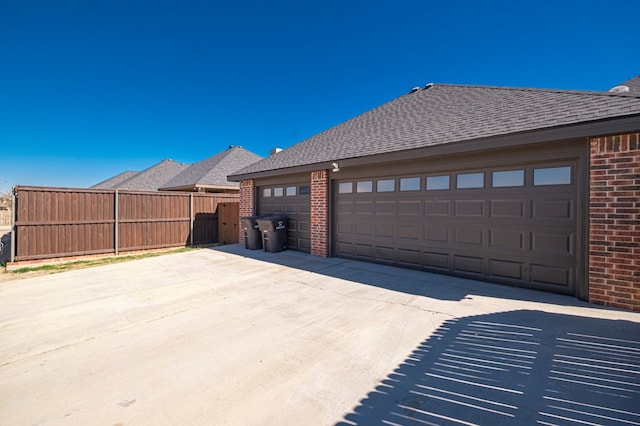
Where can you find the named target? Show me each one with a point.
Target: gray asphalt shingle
(154, 177)
(443, 113)
(113, 182)
(214, 170)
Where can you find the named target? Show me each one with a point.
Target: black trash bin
(252, 237)
(274, 233)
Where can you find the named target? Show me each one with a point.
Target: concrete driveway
(235, 337)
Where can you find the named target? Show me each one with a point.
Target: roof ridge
(532, 89)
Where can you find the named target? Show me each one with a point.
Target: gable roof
(213, 171)
(444, 113)
(112, 182)
(153, 177)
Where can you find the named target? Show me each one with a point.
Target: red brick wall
(247, 199)
(614, 221)
(319, 212)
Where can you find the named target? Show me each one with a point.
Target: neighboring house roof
(444, 113)
(115, 180)
(154, 177)
(212, 173)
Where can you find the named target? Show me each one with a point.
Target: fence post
(191, 219)
(14, 228)
(115, 223)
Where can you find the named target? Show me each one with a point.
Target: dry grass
(46, 269)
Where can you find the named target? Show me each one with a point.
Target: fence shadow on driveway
(518, 367)
(410, 281)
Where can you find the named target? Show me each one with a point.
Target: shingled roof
(114, 181)
(212, 173)
(152, 178)
(443, 113)
(631, 86)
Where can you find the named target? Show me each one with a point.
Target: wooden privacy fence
(64, 222)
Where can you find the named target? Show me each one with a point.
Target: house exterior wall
(319, 213)
(247, 201)
(614, 221)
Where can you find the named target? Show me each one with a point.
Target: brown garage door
(513, 225)
(293, 201)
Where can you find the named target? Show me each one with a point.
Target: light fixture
(336, 167)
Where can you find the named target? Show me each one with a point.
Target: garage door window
(552, 176)
(345, 187)
(410, 184)
(305, 190)
(278, 192)
(436, 183)
(508, 178)
(291, 191)
(386, 185)
(364, 186)
(266, 192)
(470, 180)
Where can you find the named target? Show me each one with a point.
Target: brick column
(319, 213)
(614, 221)
(247, 198)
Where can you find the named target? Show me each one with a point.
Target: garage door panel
(344, 248)
(363, 250)
(365, 229)
(365, 207)
(506, 269)
(304, 227)
(468, 264)
(468, 237)
(385, 208)
(553, 275)
(507, 239)
(511, 209)
(436, 260)
(384, 230)
(290, 209)
(304, 244)
(385, 254)
(409, 257)
(437, 208)
(469, 208)
(558, 243)
(553, 209)
(344, 208)
(344, 229)
(409, 232)
(409, 208)
(436, 234)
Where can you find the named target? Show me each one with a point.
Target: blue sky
(91, 88)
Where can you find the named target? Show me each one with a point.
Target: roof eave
(570, 131)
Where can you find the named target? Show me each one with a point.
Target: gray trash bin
(252, 237)
(274, 233)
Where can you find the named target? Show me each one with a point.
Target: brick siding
(247, 198)
(614, 221)
(319, 213)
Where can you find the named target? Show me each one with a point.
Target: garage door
(513, 225)
(293, 201)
